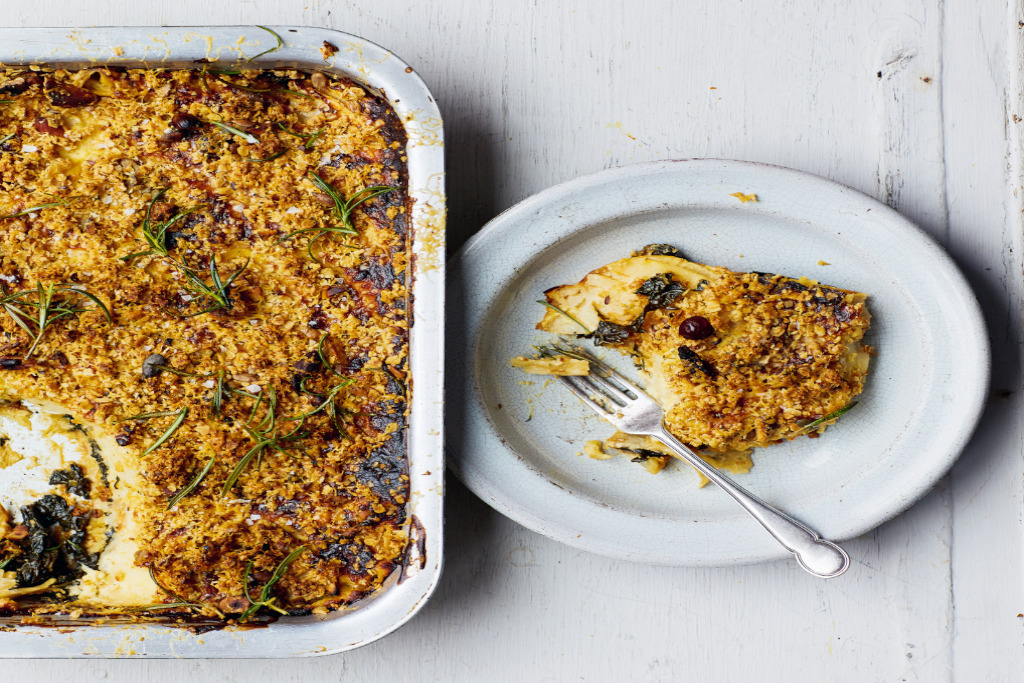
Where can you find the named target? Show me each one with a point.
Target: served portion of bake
(203, 342)
(737, 360)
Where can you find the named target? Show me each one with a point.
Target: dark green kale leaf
(661, 290)
(74, 479)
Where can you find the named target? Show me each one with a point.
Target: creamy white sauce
(47, 441)
(41, 439)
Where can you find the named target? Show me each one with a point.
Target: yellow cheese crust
(737, 360)
(292, 388)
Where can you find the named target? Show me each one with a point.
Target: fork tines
(602, 382)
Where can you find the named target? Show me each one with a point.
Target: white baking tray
(384, 73)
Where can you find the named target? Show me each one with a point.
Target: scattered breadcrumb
(592, 449)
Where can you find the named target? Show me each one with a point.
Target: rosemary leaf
(6, 138)
(192, 484)
(182, 373)
(297, 93)
(147, 416)
(170, 431)
(251, 139)
(236, 472)
(92, 297)
(822, 420)
(556, 309)
(269, 419)
(33, 209)
(244, 88)
(270, 158)
(167, 605)
(218, 394)
(280, 44)
(323, 356)
(310, 138)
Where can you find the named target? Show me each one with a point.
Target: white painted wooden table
(917, 102)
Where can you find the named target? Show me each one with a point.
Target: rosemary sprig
(251, 139)
(6, 562)
(822, 420)
(556, 309)
(191, 486)
(217, 402)
(265, 599)
(50, 308)
(170, 431)
(147, 416)
(182, 373)
(327, 400)
(156, 235)
(265, 437)
(310, 138)
(179, 601)
(269, 420)
(322, 355)
(297, 93)
(328, 403)
(280, 44)
(264, 441)
(258, 398)
(37, 207)
(244, 88)
(218, 291)
(343, 209)
(167, 605)
(270, 158)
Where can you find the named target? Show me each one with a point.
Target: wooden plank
(538, 93)
(984, 167)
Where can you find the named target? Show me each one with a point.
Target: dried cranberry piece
(696, 327)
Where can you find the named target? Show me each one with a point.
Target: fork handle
(816, 555)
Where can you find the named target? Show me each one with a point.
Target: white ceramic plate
(516, 441)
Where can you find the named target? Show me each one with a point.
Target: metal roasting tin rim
(409, 587)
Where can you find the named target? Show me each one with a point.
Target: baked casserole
(737, 360)
(203, 342)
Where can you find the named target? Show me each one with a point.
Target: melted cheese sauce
(40, 438)
(118, 581)
(36, 443)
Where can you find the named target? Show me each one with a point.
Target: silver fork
(632, 411)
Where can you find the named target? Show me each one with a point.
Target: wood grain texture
(911, 101)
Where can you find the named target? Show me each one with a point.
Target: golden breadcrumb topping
(199, 243)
